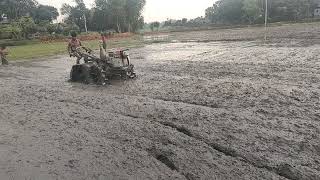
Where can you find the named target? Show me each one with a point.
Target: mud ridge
(285, 171)
(178, 128)
(213, 106)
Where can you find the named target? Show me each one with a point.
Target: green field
(36, 50)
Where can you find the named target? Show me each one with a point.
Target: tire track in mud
(162, 158)
(93, 128)
(158, 155)
(283, 171)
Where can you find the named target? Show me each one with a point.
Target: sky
(157, 10)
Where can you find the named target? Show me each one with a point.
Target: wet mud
(198, 110)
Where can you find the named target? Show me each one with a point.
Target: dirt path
(216, 110)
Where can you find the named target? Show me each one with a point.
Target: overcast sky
(157, 10)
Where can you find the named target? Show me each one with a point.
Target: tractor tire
(131, 74)
(98, 75)
(81, 73)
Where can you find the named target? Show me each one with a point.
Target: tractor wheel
(98, 75)
(131, 74)
(81, 73)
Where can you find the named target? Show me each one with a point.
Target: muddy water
(227, 110)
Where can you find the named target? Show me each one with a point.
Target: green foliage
(68, 28)
(26, 17)
(21, 28)
(27, 26)
(185, 22)
(119, 15)
(251, 11)
(229, 11)
(76, 14)
(292, 10)
(154, 25)
(45, 13)
(10, 31)
(15, 9)
(133, 10)
(52, 28)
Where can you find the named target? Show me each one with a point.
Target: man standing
(104, 40)
(3, 54)
(103, 46)
(73, 45)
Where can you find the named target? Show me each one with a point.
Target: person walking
(3, 55)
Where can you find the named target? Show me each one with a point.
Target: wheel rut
(281, 170)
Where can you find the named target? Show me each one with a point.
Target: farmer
(3, 54)
(104, 40)
(103, 46)
(73, 46)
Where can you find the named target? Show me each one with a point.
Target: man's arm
(85, 48)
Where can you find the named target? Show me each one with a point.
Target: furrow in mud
(230, 152)
(157, 153)
(282, 169)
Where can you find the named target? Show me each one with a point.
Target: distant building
(4, 19)
(317, 10)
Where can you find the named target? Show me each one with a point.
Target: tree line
(15, 9)
(119, 15)
(229, 12)
(28, 16)
(252, 11)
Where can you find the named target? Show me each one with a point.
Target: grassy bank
(37, 50)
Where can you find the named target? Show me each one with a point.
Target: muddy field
(211, 109)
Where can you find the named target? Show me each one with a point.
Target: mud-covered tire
(98, 76)
(131, 73)
(81, 73)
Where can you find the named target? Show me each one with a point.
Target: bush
(68, 28)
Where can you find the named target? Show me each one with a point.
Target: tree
(27, 26)
(133, 10)
(154, 25)
(251, 10)
(100, 19)
(168, 22)
(45, 13)
(210, 13)
(120, 15)
(68, 28)
(76, 14)
(15, 9)
(184, 20)
(12, 29)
